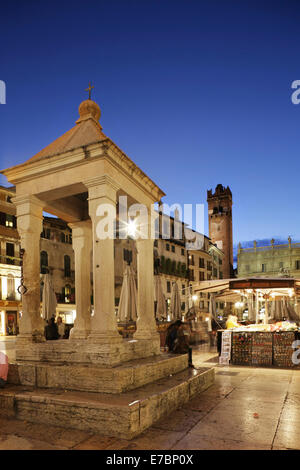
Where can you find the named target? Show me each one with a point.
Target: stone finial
(89, 109)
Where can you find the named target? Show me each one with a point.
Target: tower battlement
(220, 191)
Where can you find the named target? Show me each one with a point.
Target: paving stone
(98, 442)
(245, 428)
(288, 435)
(54, 435)
(203, 404)
(155, 439)
(259, 395)
(180, 420)
(219, 391)
(13, 442)
(290, 412)
(249, 408)
(195, 442)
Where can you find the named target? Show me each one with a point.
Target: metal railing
(4, 259)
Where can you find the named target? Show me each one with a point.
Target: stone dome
(89, 108)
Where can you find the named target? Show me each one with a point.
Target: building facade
(204, 265)
(10, 265)
(273, 260)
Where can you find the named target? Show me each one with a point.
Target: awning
(230, 290)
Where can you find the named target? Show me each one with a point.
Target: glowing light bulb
(131, 228)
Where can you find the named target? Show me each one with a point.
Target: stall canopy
(281, 290)
(230, 290)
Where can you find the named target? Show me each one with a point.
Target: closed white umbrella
(128, 297)
(49, 302)
(212, 311)
(161, 311)
(251, 307)
(276, 309)
(175, 306)
(212, 306)
(289, 311)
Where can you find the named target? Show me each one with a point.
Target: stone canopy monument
(96, 380)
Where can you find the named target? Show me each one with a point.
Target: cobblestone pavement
(246, 408)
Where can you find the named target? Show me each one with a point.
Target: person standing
(172, 334)
(51, 330)
(182, 344)
(61, 328)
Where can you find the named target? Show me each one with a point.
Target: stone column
(82, 246)
(102, 210)
(146, 324)
(30, 225)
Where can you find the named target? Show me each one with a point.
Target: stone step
(119, 415)
(94, 378)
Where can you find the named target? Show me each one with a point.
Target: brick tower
(220, 225)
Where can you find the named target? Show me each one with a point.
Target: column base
(35, 337)
(146, 334)
(105, 338)
(77, 333)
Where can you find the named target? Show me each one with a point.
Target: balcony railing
(4, 259)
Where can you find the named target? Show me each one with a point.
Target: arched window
(67, 266)
(44, 262)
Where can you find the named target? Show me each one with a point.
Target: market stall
(271, 337)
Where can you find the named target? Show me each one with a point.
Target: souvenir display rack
(282, 348)
(262, 348)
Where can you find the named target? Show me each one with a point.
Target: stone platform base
(118, 415)
(107, 353)
(96, 378)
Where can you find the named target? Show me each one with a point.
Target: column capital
(29, 214)
(79, 228)
(103, 180)
(28, 204)
(101, 187)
